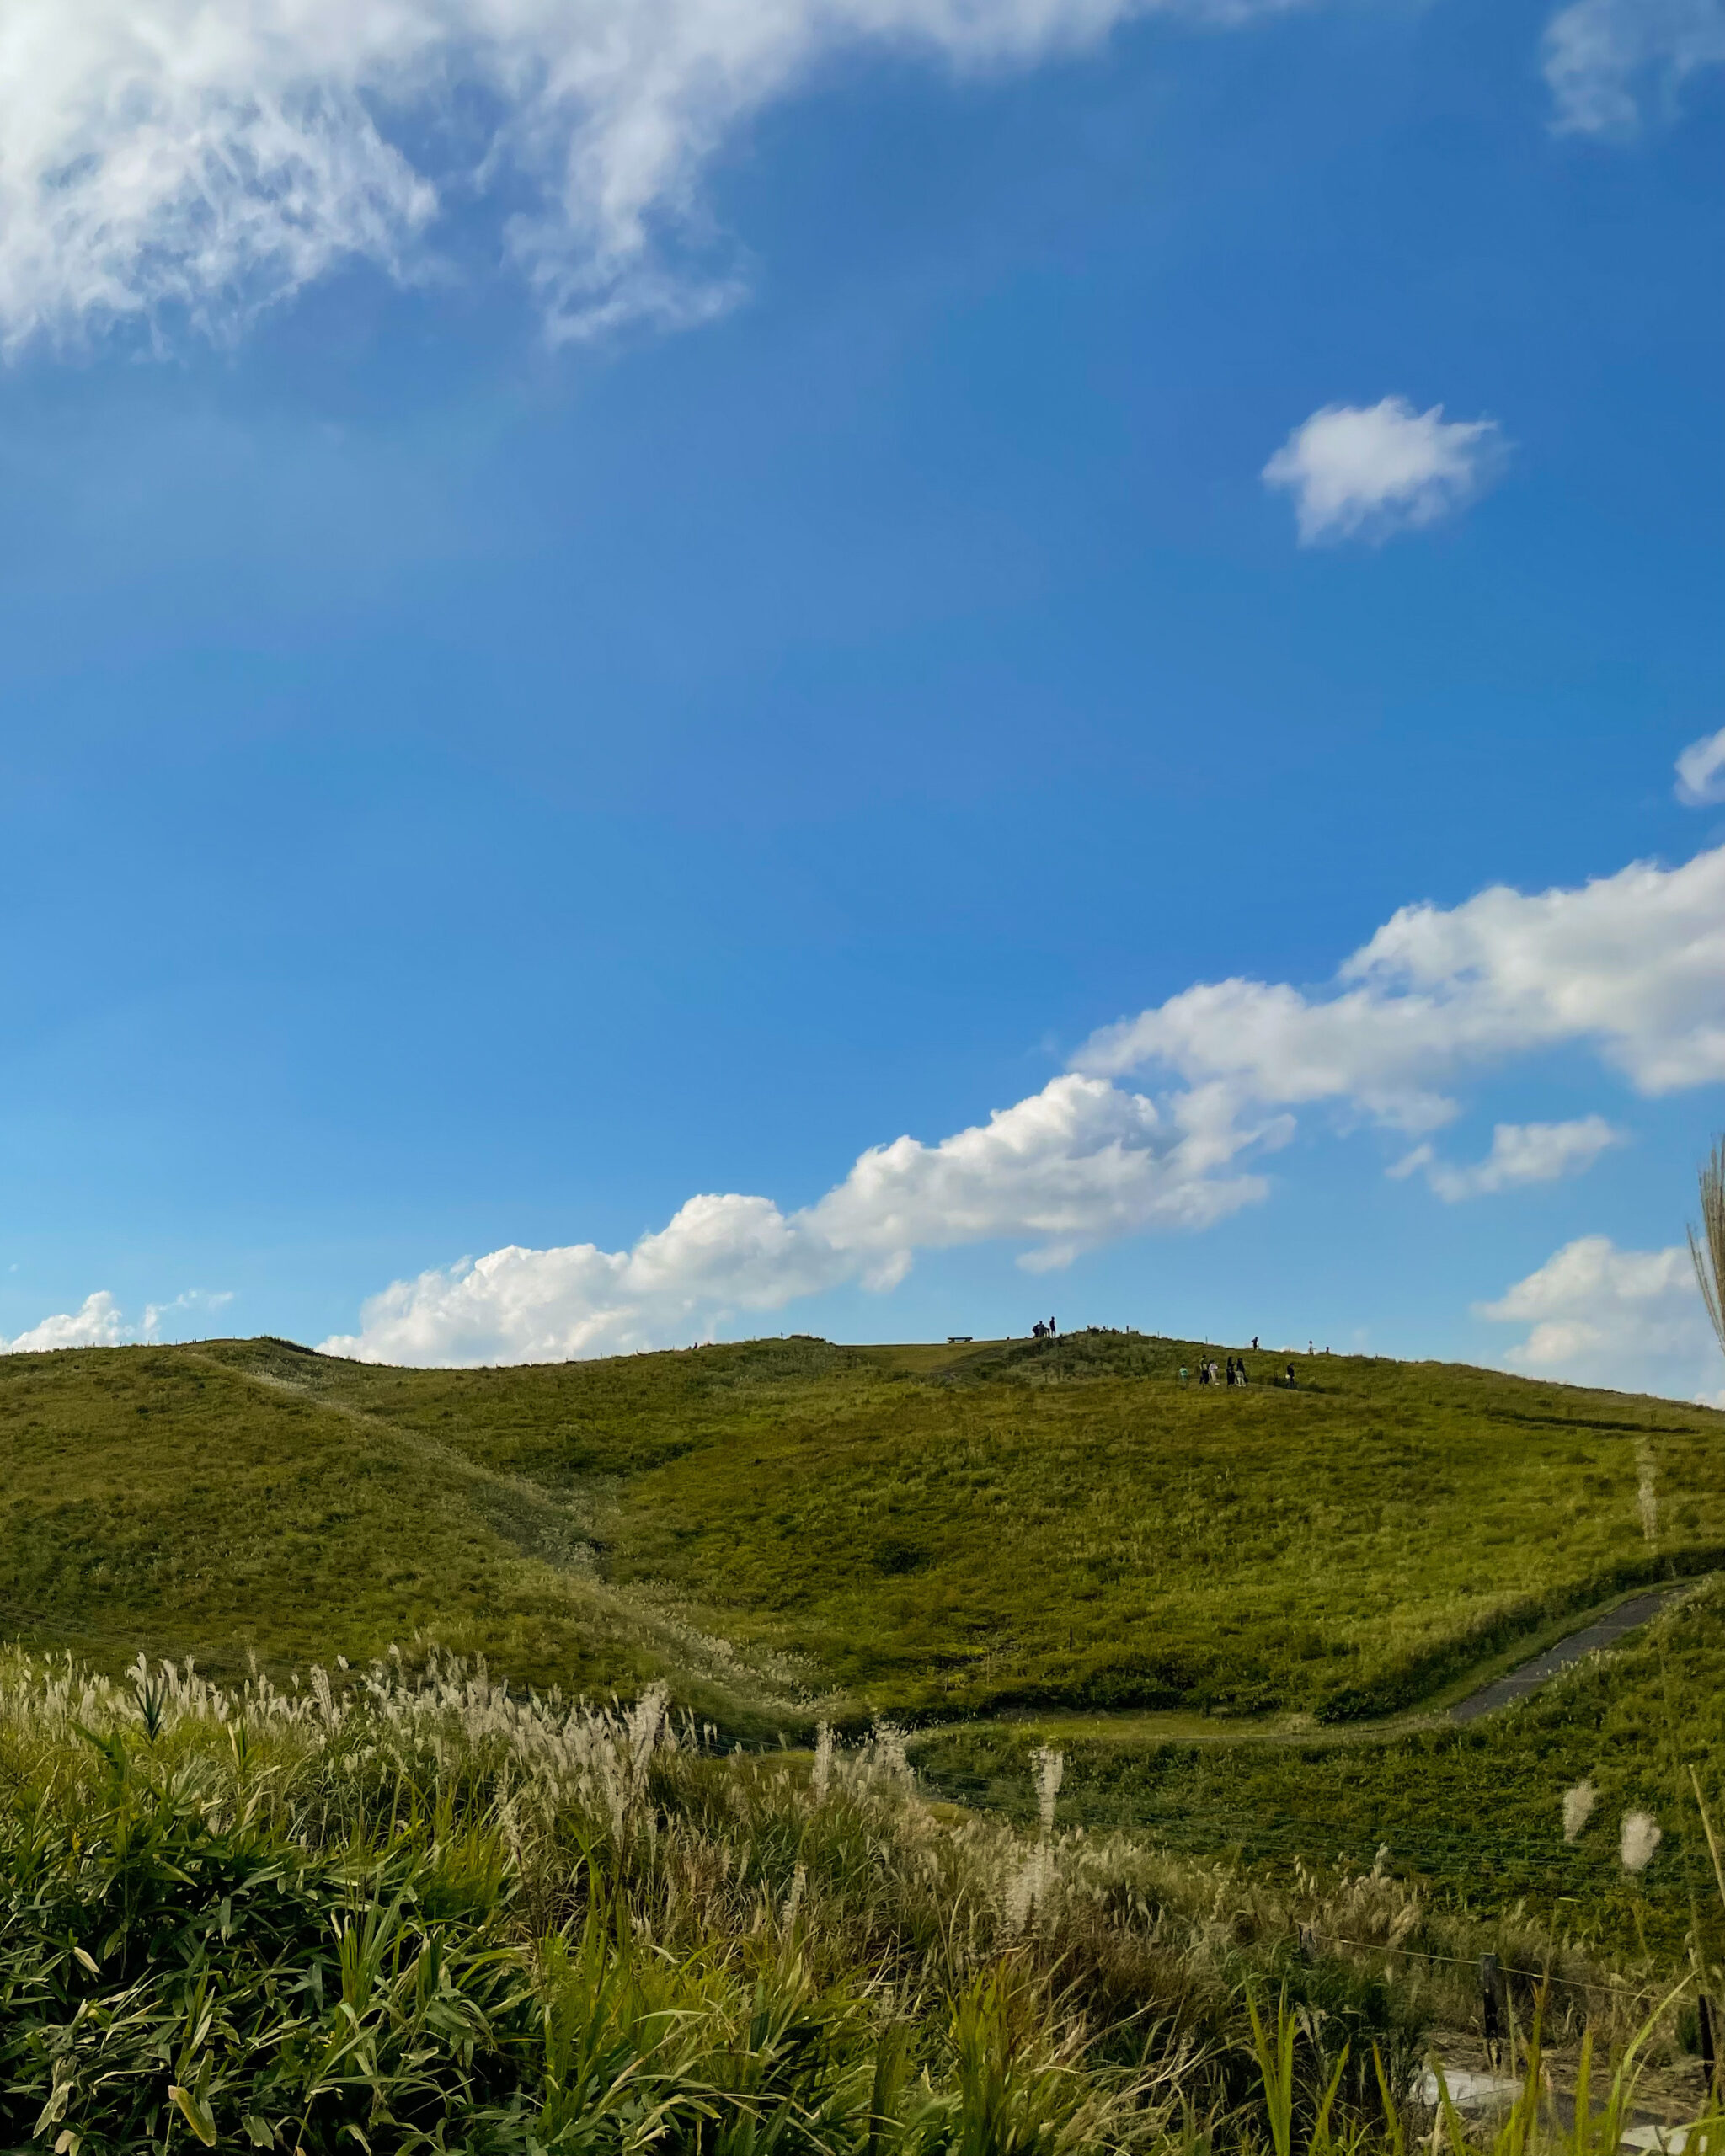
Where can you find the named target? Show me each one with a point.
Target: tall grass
(1707, 1246)
(395, 1911)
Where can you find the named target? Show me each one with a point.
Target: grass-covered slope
(1475, 1812)
(926, 1530)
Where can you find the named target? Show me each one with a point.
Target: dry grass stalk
(1707, 1246)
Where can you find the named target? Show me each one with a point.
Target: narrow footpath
(1604, 1632)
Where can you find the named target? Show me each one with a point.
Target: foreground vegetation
(786, 1530)
(397, 1912)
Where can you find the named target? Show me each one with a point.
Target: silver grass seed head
(1640, 1837)
(1577, 1808)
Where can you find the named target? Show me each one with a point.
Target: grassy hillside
(930, 1531)
(1475, 1812)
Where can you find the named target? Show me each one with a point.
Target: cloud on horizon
(99, 1322)
(1629, 1319)
(1078, 1163)
(1626, 967)
(1369, 471)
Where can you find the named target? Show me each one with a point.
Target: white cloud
(1521, 1153)
(1367, 471)
(1606, 60)
(194, 1299)
(1630, 1319)
(1079, 1163)
(1629, 966)
(99, 1322)
(185, 158)
(1701, 771)
(96, 1323)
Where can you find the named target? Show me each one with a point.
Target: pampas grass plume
(1050, 1766)
(1577, 1808)
(1640, 1837)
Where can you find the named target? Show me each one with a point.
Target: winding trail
(1607, 1627)
(1604, 1632)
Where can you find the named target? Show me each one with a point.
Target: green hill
(787, 1527)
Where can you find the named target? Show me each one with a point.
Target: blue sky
(554, 677)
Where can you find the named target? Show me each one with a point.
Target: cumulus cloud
(1607, 61)
(96, 1323)
(1521, 1153)
(1366, 471)
(1078, 1163)
(1630, 1319)
(162, 157)
(1701, 771)
(99, 1322)
(1629, 966)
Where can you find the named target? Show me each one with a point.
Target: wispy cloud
(1521, 1153)
(1610, 63)
(173, 160)
(1365, 470)
(194, 1303)
(1701, 771)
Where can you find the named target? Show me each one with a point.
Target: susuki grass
(397, 1912)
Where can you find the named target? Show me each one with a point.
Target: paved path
(1604, 1632)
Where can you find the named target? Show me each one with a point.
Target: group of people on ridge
(1208, 1374)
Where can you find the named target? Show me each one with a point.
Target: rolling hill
(785, 1527)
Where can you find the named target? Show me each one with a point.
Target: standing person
(1230, 1369)
(1183, 1377)
(1054, 1328)
(1254, 1343)
(1241, 1370)
(1290, 1377)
